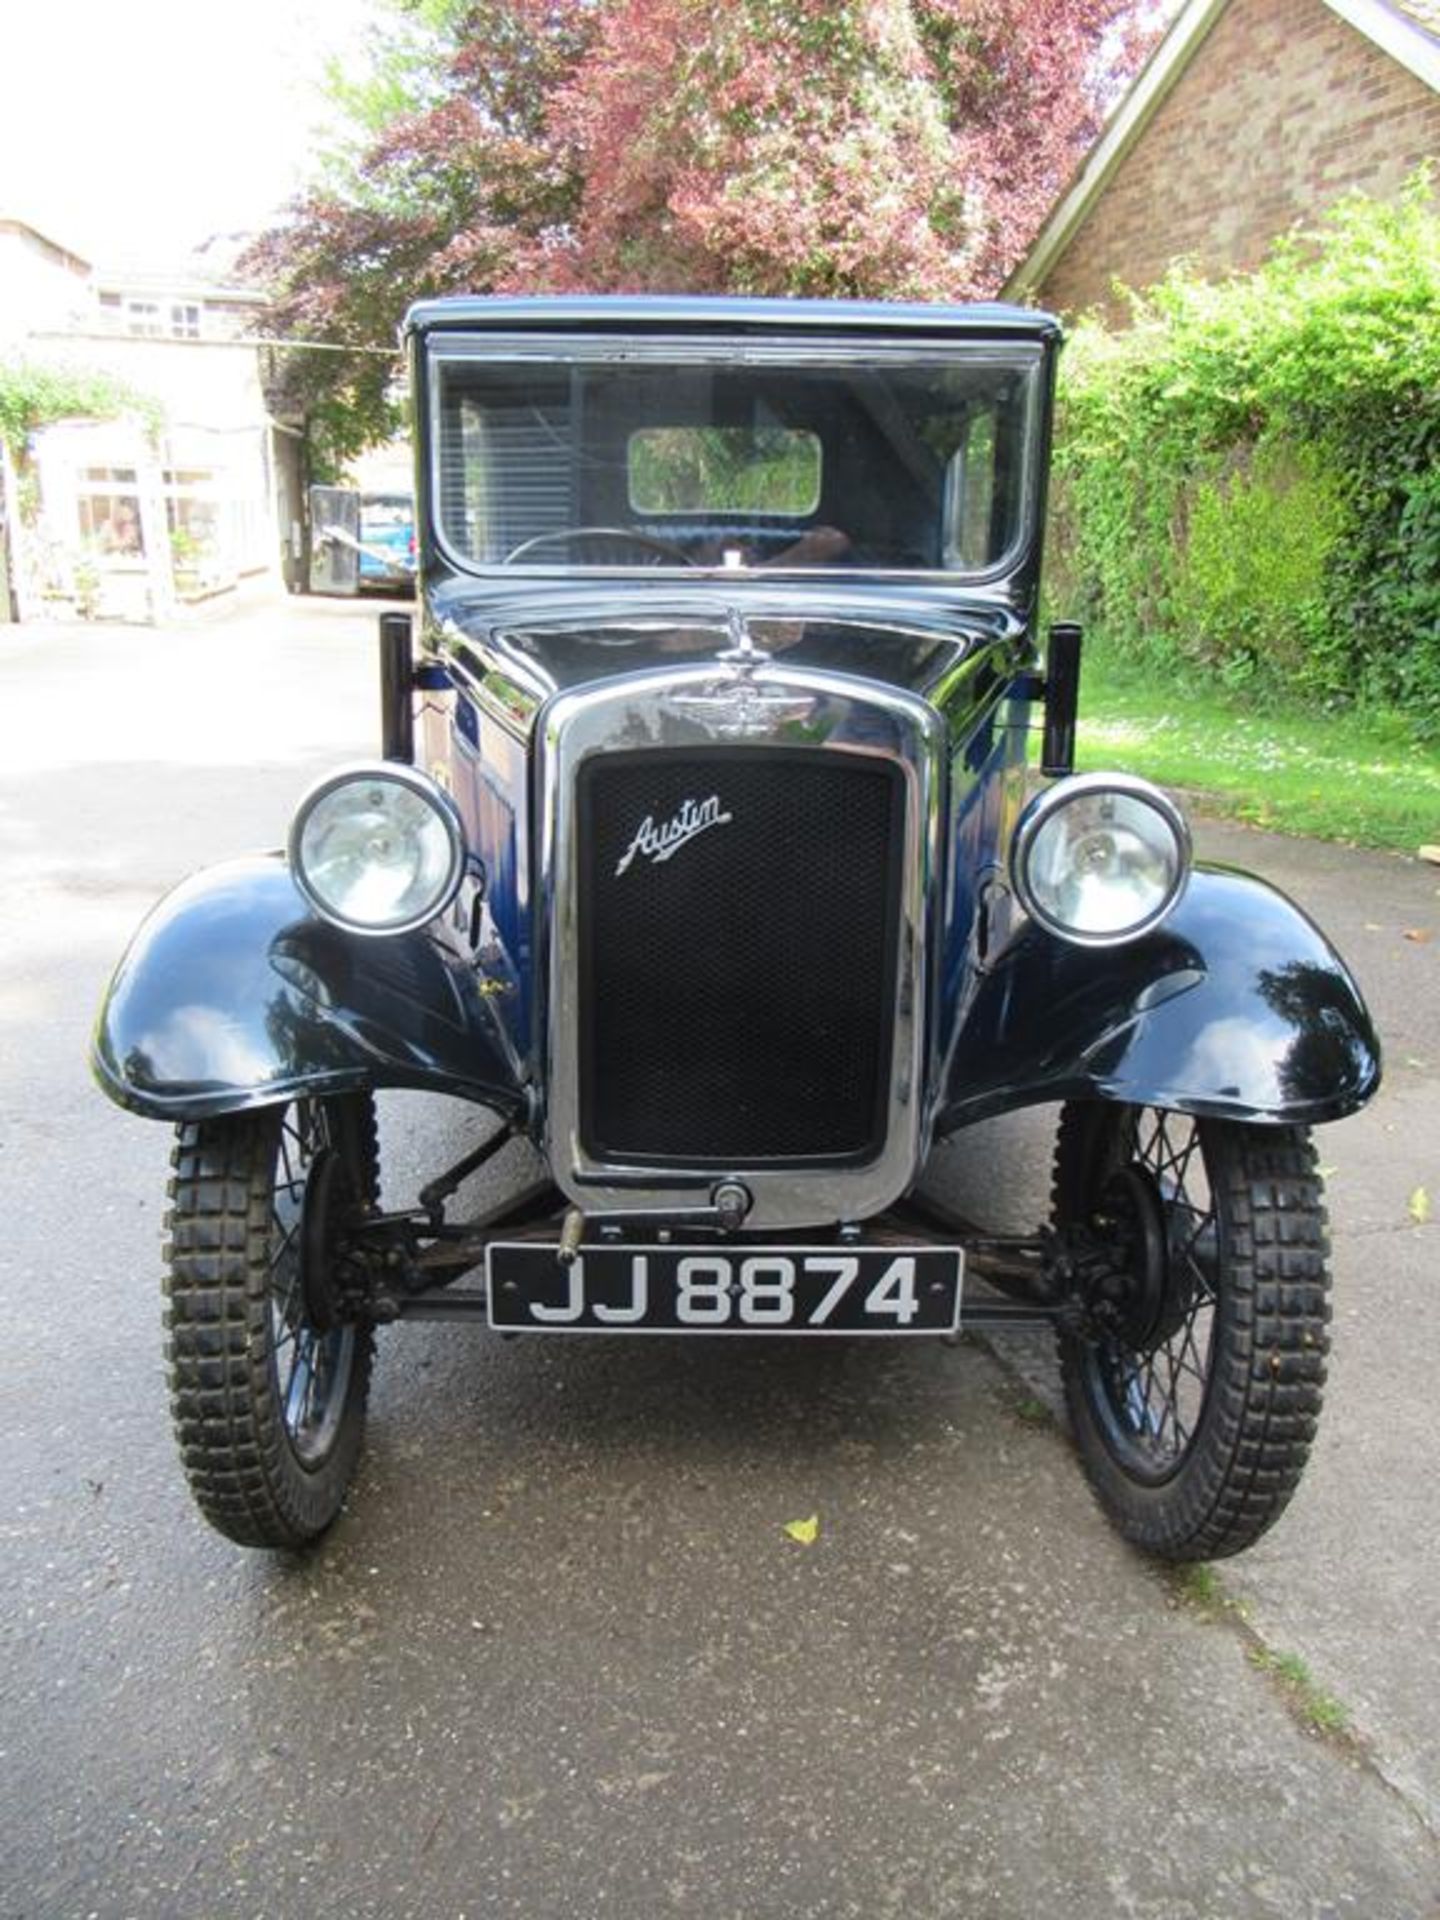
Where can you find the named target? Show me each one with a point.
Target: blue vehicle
(702, 849)
(387, 542)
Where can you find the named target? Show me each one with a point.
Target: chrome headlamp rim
(1054, 799)
(398, 773)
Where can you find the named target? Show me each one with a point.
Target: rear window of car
(724, 470)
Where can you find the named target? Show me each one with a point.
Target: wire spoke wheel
(268, 1380)
(1151, 1374)
(1195, 1387)
(313, 1365)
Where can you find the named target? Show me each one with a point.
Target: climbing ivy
(1248, 475)
(33, 396)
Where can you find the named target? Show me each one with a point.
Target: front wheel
(268, 1379)
(1196, 1382)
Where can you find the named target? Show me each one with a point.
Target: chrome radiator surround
(754, 705)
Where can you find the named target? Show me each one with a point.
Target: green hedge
(1248, 476)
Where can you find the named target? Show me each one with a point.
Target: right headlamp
(1100, 858)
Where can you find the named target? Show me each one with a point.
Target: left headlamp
(378, 849)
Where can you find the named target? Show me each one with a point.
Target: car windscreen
(565, 454)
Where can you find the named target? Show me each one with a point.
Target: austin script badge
(659, 843)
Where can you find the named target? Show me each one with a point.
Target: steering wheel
(603, 540)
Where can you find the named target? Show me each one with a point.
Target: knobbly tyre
(699, 851)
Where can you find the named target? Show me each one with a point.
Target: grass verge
(1358, 778)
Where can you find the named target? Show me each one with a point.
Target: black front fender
(1237, 1008)
(233, 995)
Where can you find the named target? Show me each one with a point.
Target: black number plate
(609, 1289)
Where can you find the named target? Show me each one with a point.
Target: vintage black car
(702, 849)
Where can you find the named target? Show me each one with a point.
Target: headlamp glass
(378, 849)
(1101, 859)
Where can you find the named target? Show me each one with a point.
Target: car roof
(693, 313)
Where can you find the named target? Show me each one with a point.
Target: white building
(173, 502)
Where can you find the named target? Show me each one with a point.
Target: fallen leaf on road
(1420, 935)
(1419, 1206)
(1373, 926)
(805, 1531)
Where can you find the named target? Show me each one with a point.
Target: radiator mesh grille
(737, 996)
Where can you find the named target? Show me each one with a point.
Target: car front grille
(737, 956)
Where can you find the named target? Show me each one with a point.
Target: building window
(193, 517)
(110, 513)
(142, 317)
(160, 320)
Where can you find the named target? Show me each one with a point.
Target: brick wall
(1284, 107)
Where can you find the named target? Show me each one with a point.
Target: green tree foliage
(33, 396)
(883, 148)
(1248, 477)
(449, 178)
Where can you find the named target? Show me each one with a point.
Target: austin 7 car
(722, 840)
